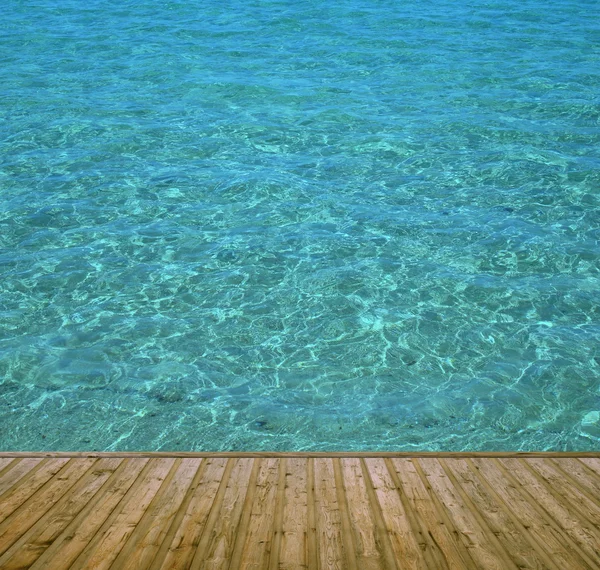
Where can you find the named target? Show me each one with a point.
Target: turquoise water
(300, 225)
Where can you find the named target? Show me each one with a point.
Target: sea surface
(308, 225)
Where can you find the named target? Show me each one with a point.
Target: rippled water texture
(306, 225)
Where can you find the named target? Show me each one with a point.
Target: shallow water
(299, 226)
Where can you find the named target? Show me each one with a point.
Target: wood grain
(80, 532)
(293, 549)
(29, 512)
(521, 546)
(7, 463)
(403, 539)
(31, 544)
(118, 527)
(327, 515)
(451, 552)
(370, 544)
(200, 513)
(578, 535)
(27, 485)
(151, 530)
(16, 469)
(259, 531)
(483, 546)
(533, 517)
(300, 511)
(218, 545)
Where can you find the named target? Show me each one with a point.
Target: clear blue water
(310, 225)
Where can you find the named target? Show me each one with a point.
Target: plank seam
(595, 473)
(583, 490)
(524, 531)
(211, 518)
(438, 505)
(382, 532)
(118, 508)
(26, 476)
(84, 512)
(568, 505)
(141, 528)
(576, 483)
(181, 511)
(7, 521)
(581, 460)
(238, 546)
(348, 538)
(428, 543)
(312, 544)
(79, 483)
(477, 515)
(543, 513)
(278, 518)
(10, 465)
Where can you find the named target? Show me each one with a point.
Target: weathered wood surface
(287, 511)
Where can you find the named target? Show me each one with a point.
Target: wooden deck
(276, 511)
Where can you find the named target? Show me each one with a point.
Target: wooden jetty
(346, 511)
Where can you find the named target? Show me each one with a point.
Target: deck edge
(306, 454)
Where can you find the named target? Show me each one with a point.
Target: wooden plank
(591, 464)
(566, 488)
(432, 553)
(146, 539)
(587, 479)
(31, 544)
(583, 534)
(242, 529)
(483, 546)
(80, 532)
(113, 534)
(7, 463)
(24, 517)
(382, 537)
(533, 518)
(349, 548)
(219, 540)
(278, 516)
(294, 539)
(199, 516)
(295, 511)
(312, 541)
(28, 484)
(452, 550)
(18, 469)
(371, 544)
(521, 546)
(403, 538)
(259, 534)
(327, 514)
(466, 548)
(179, 515)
